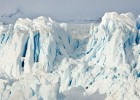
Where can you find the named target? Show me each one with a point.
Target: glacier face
(41, 60)
(40, 40)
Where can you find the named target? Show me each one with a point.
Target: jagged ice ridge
(40, 59)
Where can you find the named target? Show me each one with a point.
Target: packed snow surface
(42, 59)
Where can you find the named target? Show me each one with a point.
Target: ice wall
(112, 43)
(44, 58)
(40, 41)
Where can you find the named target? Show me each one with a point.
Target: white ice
(42, 59)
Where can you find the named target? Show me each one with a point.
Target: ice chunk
(114, 33)
(34, 41)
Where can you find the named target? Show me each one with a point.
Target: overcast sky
(69, 9)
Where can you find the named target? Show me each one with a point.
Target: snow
(76, 93)
(42, 59)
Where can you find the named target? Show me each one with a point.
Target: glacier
(42, 59)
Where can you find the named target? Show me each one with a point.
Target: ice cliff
(40, 59)
(33, 41)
